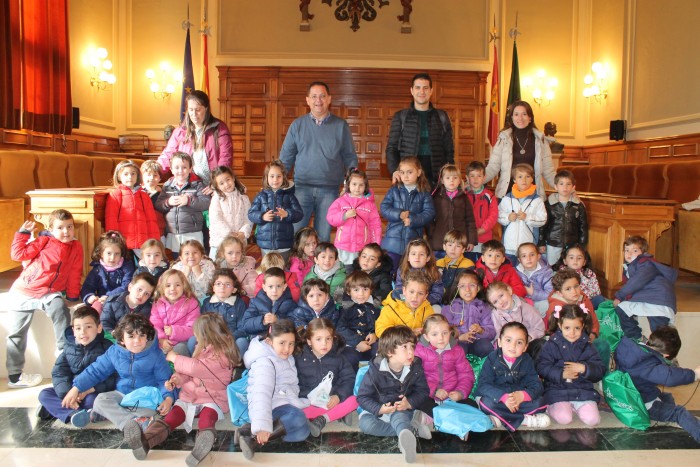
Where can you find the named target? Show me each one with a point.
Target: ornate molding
(354, 11)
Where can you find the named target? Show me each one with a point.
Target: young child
(392, 389)
(408, 208)
(53, 263)
(322, 353)
(357, 318)
(508, 307)
(411, 310)
(84, 342)
(202, 380)
(567, 223)
(182, 201)
(152, 258)
(225, 300)
(129, 208)
(453, 211)
(111, 271)
(174, 310)
(650, 366)
(228, 211)
(329, 269)
(566, 290)
(275, 210)
(231, 255)
(138, 362)
(301, 259)
(275, 260)
(197, 268)
(419, 257)
(454, 245)
(577, 258)
(521, 211)
(509, 388)
(150, 174)
(536, 276)
(570, 366)
(493, 266)
(272, 303)
(136, 299)
(315, 302)
(375, 262)
(484, 203)
(355, 216)
(469, 315)
(274, 406)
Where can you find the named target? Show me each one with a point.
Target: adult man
(319, 146)
(421, 130)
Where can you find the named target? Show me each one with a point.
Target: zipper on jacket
(58, 269)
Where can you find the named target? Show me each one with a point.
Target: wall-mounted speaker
(617, 129)
(76, 117)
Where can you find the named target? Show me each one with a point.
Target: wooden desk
(12, 210)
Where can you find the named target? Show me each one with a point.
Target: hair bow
(557, 309)
(584, 309)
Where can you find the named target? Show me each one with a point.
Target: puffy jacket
(51, 265)
(279, 233)
(517, 232)
(260, 305)
(462, 315)
(435, 294)
(354, 233)
(291, 279)
(451, 214)
(131, 213)
(272, 382)
(647, 281)
(300, 267)
(540, 279)
(566, 224)
(419, 204)
(496, 378)
(179, 315)
(183, 219)
(74, 359)
(506, 273)
(485, 207)
(303, 313)
(115, 308)
(204, 379)
(556, 299)
(450, 269)
(356, 321)
(217, 145)
(232, 310)
(395, 312)
(550, 365)
(134, 370)
(157, 272)
(649, 369)
(381, 277)
(334, 277)
(228, 214)
(521, 312)
(379, 385)
(101, 282)
(311, 370)
(448, 370)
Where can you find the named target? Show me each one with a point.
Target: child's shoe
(349, 419)
(540, 420)
(26, 380)
(134, 437)
(202, 447)
(80, 418)
(316, 425)
(407, 446)
(95, 417)
(43, 414)
(422, 424)
(496, 421)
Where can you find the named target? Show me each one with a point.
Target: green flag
(514, 87)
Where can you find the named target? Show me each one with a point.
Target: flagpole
(187, 72)
(205, 49)
(495, 102)
(514, 86)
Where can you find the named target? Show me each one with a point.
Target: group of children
(412, 308)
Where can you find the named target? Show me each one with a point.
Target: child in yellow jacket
(410, 308)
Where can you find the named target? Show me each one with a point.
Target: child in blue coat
(225, 300)
(273, 303)
(137, 299)
(357, 317)
(315, 302)
(111, 271)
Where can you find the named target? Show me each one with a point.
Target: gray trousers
(107, 405)
(18, 328)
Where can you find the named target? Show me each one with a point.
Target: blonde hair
(210, 330)
(271, 260)
(160, 289)
(151, 166)
(154, 242)
(124, 165)
(451, 169)
(226, 242)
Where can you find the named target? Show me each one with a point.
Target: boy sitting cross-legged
(272, 303)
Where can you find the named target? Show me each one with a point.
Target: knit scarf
(524, 194)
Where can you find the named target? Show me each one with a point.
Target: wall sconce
(542, 88)
(163, 87)
(596, 83)
(101, 67)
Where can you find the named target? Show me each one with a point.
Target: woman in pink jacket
(173, 312)
(356, 217)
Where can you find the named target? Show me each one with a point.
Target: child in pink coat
(174, 311)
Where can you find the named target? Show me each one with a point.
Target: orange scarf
(524, 194)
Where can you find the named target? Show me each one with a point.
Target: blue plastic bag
(238, 400)
(146, 397)
(358, 380)
(459, 419)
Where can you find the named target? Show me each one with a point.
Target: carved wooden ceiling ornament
(354, 11)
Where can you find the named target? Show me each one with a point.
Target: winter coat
(450, 269)
(100, 282)
(485, 207)
(300, 267)
(517, 232)
(448, 370)
(74, 359)
(395, 312)
(228, 214)
(497, 379)
(419, 204)
(115, 308)
(435, 294)
(566, 224)
(649, 369)
(232, 310)
(131, 213)
(183, 219)
(506, 273)
(550, 365)
(179, 315)
(277, 234)
(50, 265)
(303, 313)
(381, 277)
(521, 312)
(272, 382)
(647, 281)
(199, 283)
(540, 279)
(204, 379)
(555, 299)
(311, 370)
(246, 274)
(379, 385)
(217, 145)
(157, 272)
(356, 321)
(260, 305)
(134, 370)
(462, 315)
(334, 277)
(291, 279)
(354, 233)
(451, 214)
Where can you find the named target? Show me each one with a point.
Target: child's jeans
(563, 412)
(294, 421)
(52, 403)
(107, 405)
(339, 411)
(375, 426)
(666, 410)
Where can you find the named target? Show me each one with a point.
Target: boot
(202, 446)
(156, 433)
(247, 442)
(136, 439)
(316, 425)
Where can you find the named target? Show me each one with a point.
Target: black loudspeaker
(76, 117)
(617, 129)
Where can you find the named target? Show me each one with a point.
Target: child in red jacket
(485, 206)
(494, 266)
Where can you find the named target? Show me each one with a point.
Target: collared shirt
(317, 121)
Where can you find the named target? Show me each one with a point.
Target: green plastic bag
(625, 401)
(610, 329)
(476, 363)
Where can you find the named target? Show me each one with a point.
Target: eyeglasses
(468, 286)
(227, 285)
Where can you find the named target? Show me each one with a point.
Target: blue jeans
(294, 421)
(316, 201)
(666, 410)
(398, 421)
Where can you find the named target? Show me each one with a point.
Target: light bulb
(170, 89)
(588, 79)
(155, 87)
(587, 92)
(102, 53)
(95, 62)
(150, 74)
(104, 76)
(595, 90)
(164, 66)
(527, 81)
(549, 95)
(537, 93)
(541, 73)
(553, 82)
(107, 65)
(111, 79)
(597, 67)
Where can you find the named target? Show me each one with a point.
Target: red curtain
(10, 66)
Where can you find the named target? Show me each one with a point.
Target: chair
(683, 181)
(651, 181)
(79, 171)
(599, 179)
(102, 171)
(622, 179)
(583, 179)
(52, 170)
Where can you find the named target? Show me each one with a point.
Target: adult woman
(520, 142)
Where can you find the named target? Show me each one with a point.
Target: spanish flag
(495, 100)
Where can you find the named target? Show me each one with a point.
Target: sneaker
(26, 380)
(496, 421)
(80, 418)
(349, 419)
(316, 425)
(540, 420)
(95, 417)
(407, 446)
(422, 425)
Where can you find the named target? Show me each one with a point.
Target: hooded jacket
(312, 369)
(648, 281)
(179, 315)
(303, 313)
(381, 277)
(204, 379)
(451, 214)
(566, 224)
(260, 305)
(419, 204)
(448, 370)
(115, 308)
(356, 321)
(395, 312)
(228, 214)
(183, 219)
(74, 359)
(217, 145)
(506, 273)
(517, 232)
(496, 378)
(131, 213)
(485, 207)
(101, 282)
(462, 315)
(540, 279)
(232, 310)
(277, 234)
(355, 232)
